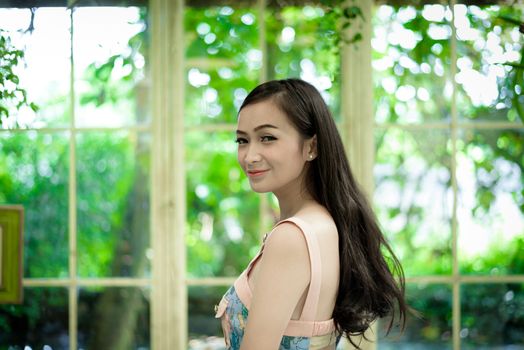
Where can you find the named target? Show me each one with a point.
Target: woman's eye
(240, 141)
(267, 138)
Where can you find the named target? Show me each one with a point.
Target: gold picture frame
(11, 253)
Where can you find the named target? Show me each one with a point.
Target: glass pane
(492, 316)
(205, 331)
(223, 62)
(34, 171)
(44, 71)
(412, 197)
(223, 216)
(430, 331)
(491, 201)
(300, 46)
(488, 89)
(411, 60)
(113, 204)
(114, 318)
(42, 320)
(109, 66)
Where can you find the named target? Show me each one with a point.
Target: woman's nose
(252, 154)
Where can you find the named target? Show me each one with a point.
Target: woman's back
(310, 325)
(323, 227)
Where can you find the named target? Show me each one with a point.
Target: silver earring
(310, 156)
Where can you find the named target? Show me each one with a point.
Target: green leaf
(511, 20)
(9, 58)
(356, 38)
(353, 12)
(4, 111)
(514, 65)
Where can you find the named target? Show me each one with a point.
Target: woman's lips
(255, 173)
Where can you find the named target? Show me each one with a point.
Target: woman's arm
(282, 279)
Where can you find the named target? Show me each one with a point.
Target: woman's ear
(310, 148)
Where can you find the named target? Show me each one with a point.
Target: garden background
(79, 144)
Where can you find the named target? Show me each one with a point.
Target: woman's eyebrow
(263, 126)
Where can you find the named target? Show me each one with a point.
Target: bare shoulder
(285, 238)
(286, 256)
(320, 221)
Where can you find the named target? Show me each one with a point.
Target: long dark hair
(367, 287)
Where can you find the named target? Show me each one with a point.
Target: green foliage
(115, 78)
(223, 62)
(498, 158)
(430, 330)
(413, 167)
(12, 96)
(505, 258)
(34, 173)
(516, 74)
(41, 321)
(110, 157)
(340, 15)
(410, 87)
(223, 211)
(503, 303)
(309, 48)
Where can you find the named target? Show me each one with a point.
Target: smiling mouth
(256, 173)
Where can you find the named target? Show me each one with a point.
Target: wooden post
(357, 113)
(168, 216)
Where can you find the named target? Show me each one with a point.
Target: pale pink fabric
(306, 325)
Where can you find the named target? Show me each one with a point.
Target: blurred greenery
(504, 303)
(41, 320)
(199, 312)
(34, 172)
(223, 62)
(412, 85)
(104, 86)
(222, 218)
(133, 331)
(118, 204)
(414, 190)
(301, 43)
(430, 331)
(411, 197)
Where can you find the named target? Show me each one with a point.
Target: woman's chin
(259, 189)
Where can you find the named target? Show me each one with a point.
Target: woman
(320, 272)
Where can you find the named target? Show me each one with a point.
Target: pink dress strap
(241, 284)
(311, 304)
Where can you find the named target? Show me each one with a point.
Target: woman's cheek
(239, 158)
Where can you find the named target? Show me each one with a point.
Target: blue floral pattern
(235, 320)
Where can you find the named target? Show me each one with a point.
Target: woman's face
(270, 150)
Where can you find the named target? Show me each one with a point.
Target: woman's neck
(290, 205)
